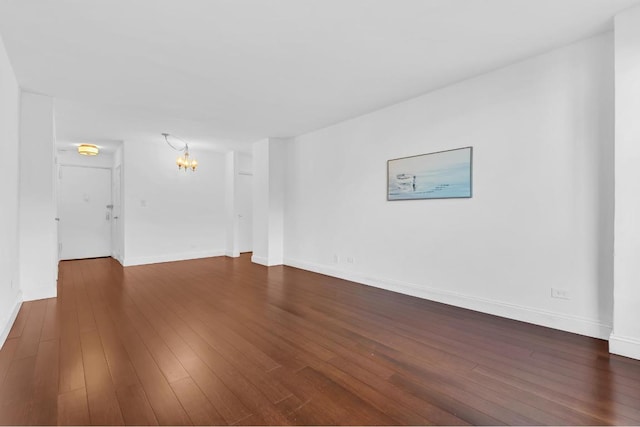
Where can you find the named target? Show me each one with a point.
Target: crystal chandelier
(184, 161)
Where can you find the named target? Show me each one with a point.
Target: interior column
(268, 201)
(625, 339)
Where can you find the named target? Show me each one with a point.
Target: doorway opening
(245, 211)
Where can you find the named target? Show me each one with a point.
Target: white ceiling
(229, 72)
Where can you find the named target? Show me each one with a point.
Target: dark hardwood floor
(225, 341)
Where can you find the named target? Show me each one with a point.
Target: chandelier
(184, 161)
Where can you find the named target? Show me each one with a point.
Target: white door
(245, 212)
(84, 210)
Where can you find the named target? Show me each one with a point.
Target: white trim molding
(259, 260)
(8, 322)
(117, 258)
(128, 262)
(39, 293)
(265, 261)
(624, 346)
(575, 324)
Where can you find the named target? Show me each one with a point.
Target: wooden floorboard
(223, 341)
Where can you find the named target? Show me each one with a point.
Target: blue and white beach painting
(442, 175)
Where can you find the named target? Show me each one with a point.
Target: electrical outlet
(559, 293)
(350, 260)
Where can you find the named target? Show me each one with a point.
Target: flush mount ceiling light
(88, 149)
(184, 161)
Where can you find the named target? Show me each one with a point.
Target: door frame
(117, 235)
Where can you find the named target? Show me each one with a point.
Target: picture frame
(444, 174)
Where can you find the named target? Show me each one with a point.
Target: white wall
(38, 239)
(10, 297)
(245, 163)
(118, 208)
(118, 156)
(542, 206)
(626, 337)
(231, 194)
(169, 214)
(72, 158)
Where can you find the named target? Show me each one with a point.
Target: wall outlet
(350, 260)
(559, 293)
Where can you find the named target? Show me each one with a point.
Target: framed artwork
(440, 175)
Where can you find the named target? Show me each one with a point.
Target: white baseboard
(265, 261)
(259, 260)
(624, 346)
(561, 321)
(39, 293)
(7, 323)
(130, 261)
(232, 254)
(116, 257)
